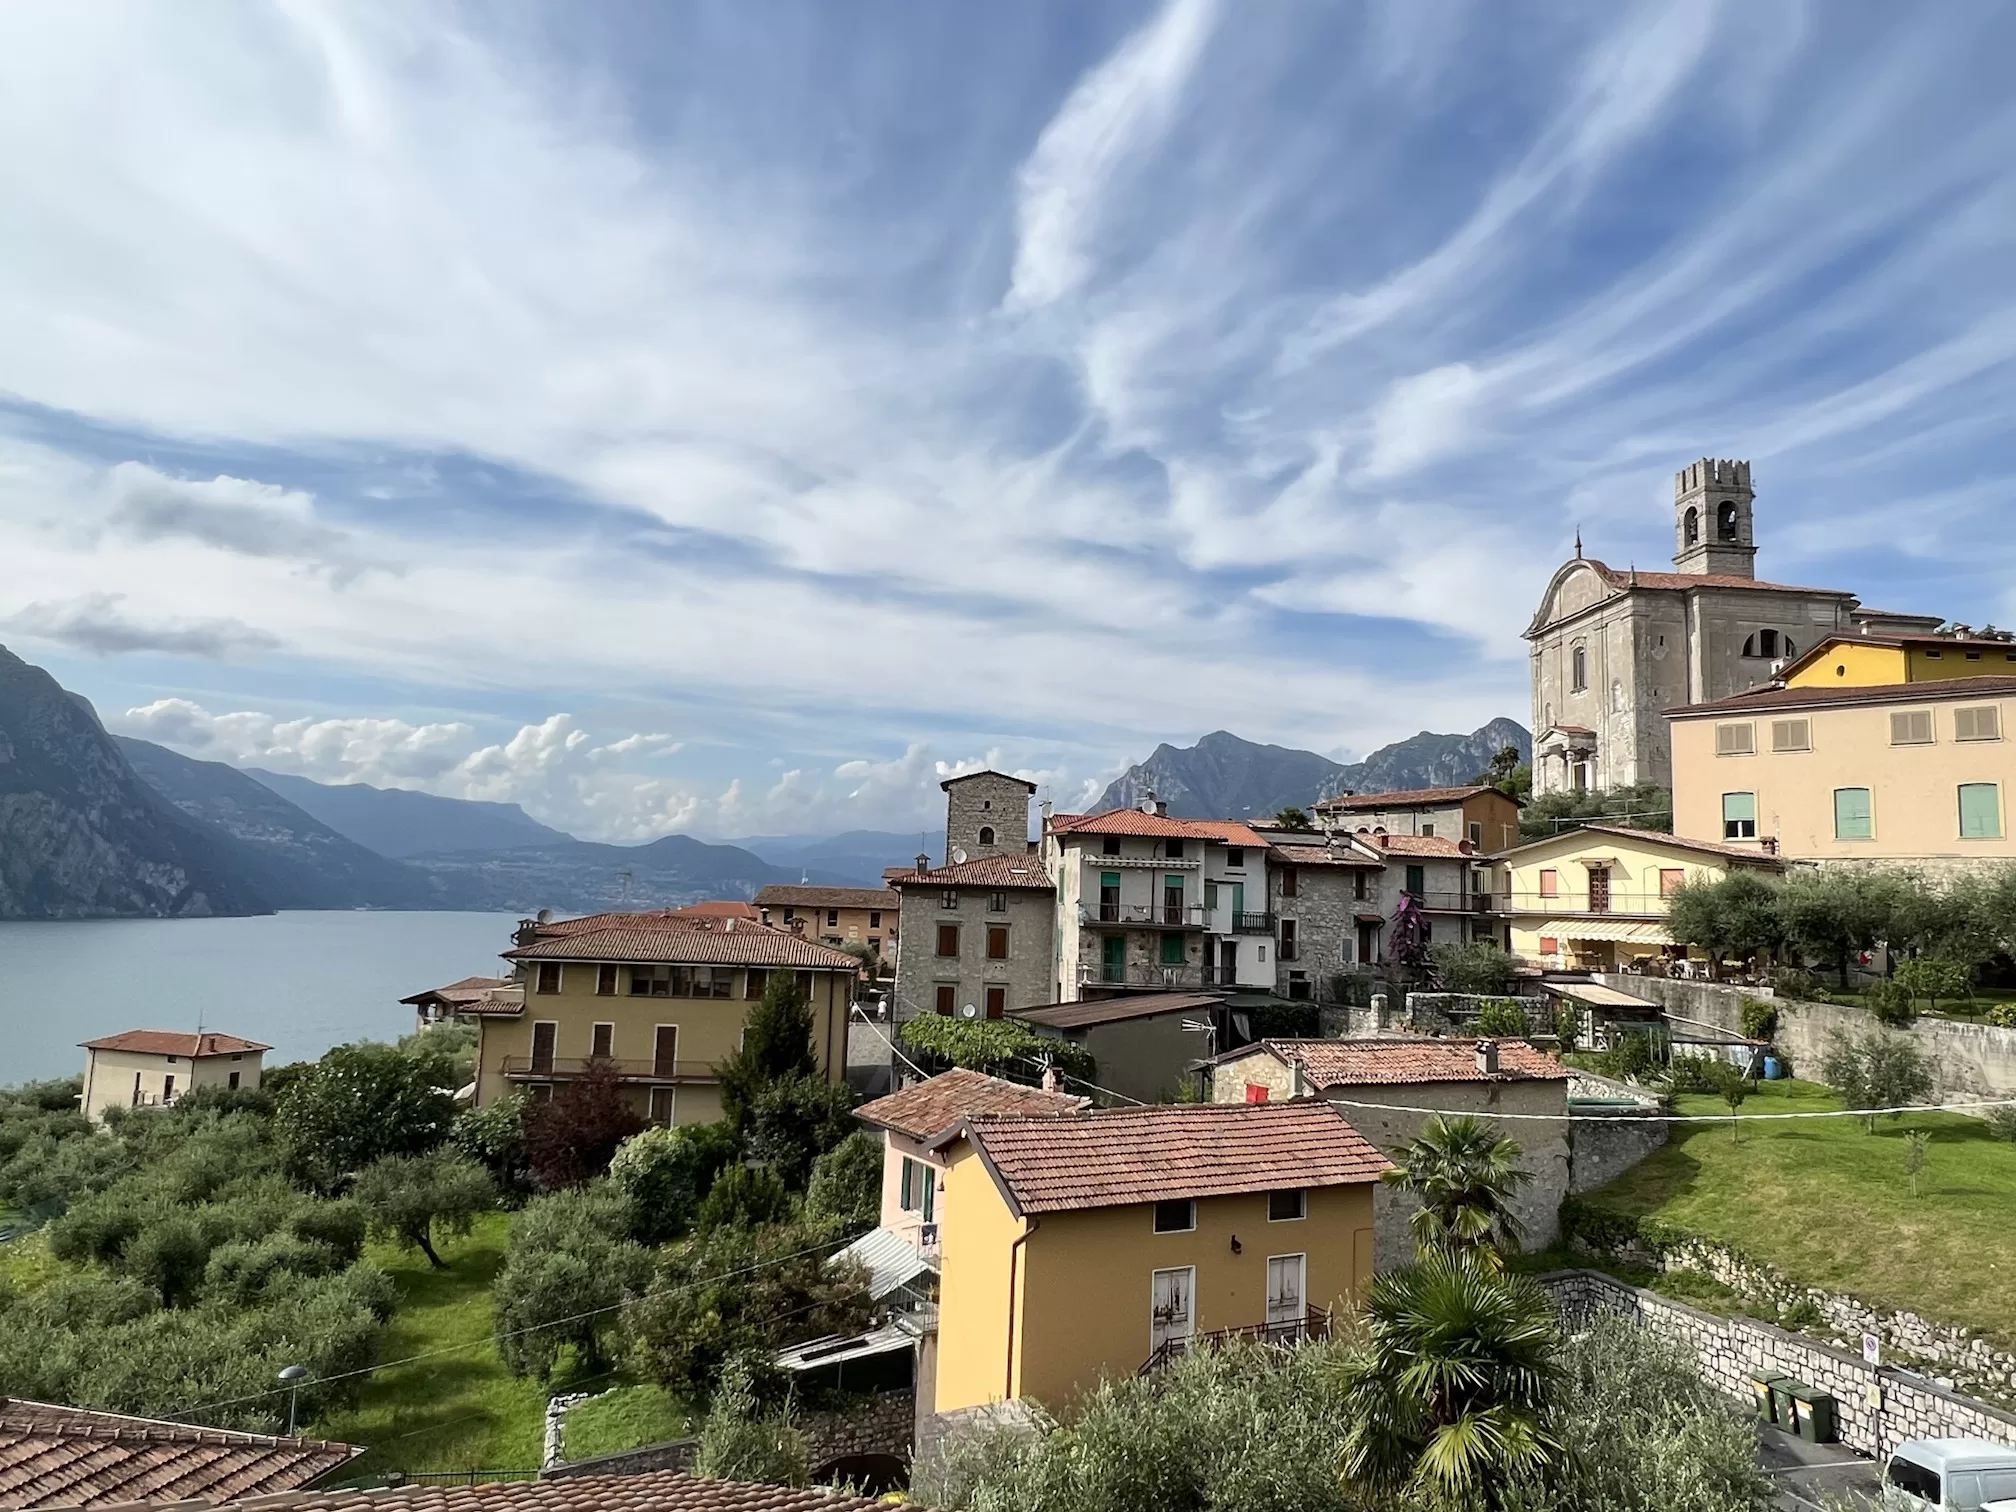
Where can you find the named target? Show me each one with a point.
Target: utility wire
(1684, 1118)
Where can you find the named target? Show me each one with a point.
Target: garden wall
(885, 1424)
(1969, 1060)
(1876, 1408)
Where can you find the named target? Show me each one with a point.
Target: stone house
(1481, 814)
(978, 937)
(151, 1068)
(1378, 1083)
(1328, 896)
(1612, 651)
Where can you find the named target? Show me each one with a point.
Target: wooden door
(665, 1051)
(542, 1045)
(1599, 889)
(1113, 958)
(1286, 1309)
(1173, 1318)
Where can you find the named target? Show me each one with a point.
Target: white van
(1951, 1475)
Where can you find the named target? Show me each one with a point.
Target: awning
(1625, 931)
(1371, 918)
(1596, 995)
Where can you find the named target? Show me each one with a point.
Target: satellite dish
(545, 916)
(958, 855)
(968, 1011)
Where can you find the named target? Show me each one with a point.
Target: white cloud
(99, 624)
(238, 515)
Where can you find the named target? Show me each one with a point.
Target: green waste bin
(1812, 1413)
(1766, 1385)
(1781, 1403)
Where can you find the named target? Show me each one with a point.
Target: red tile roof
(1414, 798)
(1934, 690)
(649, 1491)
(1753, 856)
(1019, 870)
(1421, 845)
(169, 1042)
(68, 1456)
(1131, 821)
(718, 908)
(468, 990)
(657, 938)
(929, 1108)
(1682, 581)
(1323, 855)
(1137, 1155)
(793, 896)
(1398, 1062)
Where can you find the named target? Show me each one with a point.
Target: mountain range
(94, 825)
(1224, 777)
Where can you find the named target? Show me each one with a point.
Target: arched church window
(1579, 676)
(1767, 645)
(986, 834)
(1725, 522)
(1692, 526)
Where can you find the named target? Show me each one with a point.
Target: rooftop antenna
(1578, 542)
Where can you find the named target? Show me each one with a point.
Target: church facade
(1613, 650)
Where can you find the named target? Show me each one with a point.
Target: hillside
(1224, 777)
(856, 853)
(397, 823)
(81, 835)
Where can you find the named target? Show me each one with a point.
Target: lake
(299, 982)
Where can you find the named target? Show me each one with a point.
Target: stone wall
(885, 1424)
(1603, 1145)
(1876, 1408)
(1969, 1061)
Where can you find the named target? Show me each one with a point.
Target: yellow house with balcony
(1595, 898)
(657, 998)
(1079, 1248)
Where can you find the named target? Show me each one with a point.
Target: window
(1172, 899)
(1768, 645)
(1111, 846)
(790, 916)
(1691, 526)
(232, 1082)
(1980, 811)
(1211, 896)
(1916, 1480)
(874, 918)
(1670, 878)
(1725, 522)
(948, 939)
(1735, 740)
(1911, 727)
(997, 1002)
(1172, 950)
(1235, 856)
(1550, 883)
(875, 943)
(605, 979)
(997, 902)
(1287, 1207)
(549, 976)
(1173, 849)
(1476, 834)
(832, 918)
(1579, 662)
(1358, 886)
(1739, 816)
(1255, 1092)
(918, 1189)
(997, 942)
(1791, 735)
(1287, 881)
(1982, 722)
(1428, 832)
(681, 981)
(947, 999)
(1288, 940)
(168, 1088)
(602, 1041)
(754, 980)
(1549, 945)
(1417, 883)
(948, 900)
(1177, 1217)
(664, 1106)
(1852, 818)
(986, 834)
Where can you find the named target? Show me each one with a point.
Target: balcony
(1135, 976)
(1314, 1323)
(1144, 916)
(566, 1068)
(1253, 924)
(1643, 903)
(1453, 902)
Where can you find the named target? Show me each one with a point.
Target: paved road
(1816, 1476)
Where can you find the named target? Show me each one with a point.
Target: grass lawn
(1831, 1206)
(1973, 1009)
(626, 1418)
(457, 1411)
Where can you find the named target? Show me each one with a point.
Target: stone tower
(1712, 519)
(986, 814)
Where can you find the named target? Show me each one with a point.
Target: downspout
(1022, 1239)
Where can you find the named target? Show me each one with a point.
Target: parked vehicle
(1950, 1475)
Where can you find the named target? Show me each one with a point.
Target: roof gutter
(1014, 1255)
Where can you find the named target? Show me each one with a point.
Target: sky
(732, 418)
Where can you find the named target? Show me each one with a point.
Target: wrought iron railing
(1314, 1323)
(561, 1068)
(1137, 975)
(1253, 923)
(1148, 915)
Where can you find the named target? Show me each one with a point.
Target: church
(1613, 650)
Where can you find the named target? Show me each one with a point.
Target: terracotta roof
(827, 897)
(1422, 845)
(169, 1042)
(1020, 870)
(68, 1456)
(1089, 1011)
(929, 1108)
(554, 928)
(1323, 855)
(946, 785)
(1935, 690)
(697, 942)
(1398, 1062)
(1136, 1155)
(1413, 798)
(1131, 821)
(718, 908)
(468, 990)
(1650, 837)
(649, 1491)
(1682, 581)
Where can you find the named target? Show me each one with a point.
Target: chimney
(1161, 809)
(1487, 1057)
(1052, 1082)
(1298, 1079)
(1049, 808)
(923, 863)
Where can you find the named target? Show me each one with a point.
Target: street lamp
(291, 1378)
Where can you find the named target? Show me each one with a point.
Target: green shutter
(1980, 811)
(1109, 879)
(1852, 820)
(1172, 950)
(1173, 884)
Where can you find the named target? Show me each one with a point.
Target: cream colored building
(1595, 898)
(835, 916)
(659, 999)
(152, 1068)
(1912, 773)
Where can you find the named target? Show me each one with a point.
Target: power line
(1683, 1118)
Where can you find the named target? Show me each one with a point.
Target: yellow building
(1084, 1247)
(658, 998)
(1593, 898)
(1909, 772)
(151, 1068)
(835, 916)
(1867, 661)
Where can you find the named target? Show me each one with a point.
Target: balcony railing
(1147, 915)
(1155, 977)
(1253, 923)
(1314, 1323)
(564, 1068)
(1647, 902)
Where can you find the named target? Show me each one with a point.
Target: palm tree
(1465, 1175)
(1448, 1393)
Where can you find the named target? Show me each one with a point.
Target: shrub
(998, 1047)
(1501, 1018)
(572, 1136)
(742, 1438)
(1760, 1019)
(1933, 979)
(1568, 1021)
(1877, 1071)
(845, 1192)
(494, 1137)
(569, 1264)
(1477, 967)
(743, 1197)
(2001, 1124)
(1891, 1002)
(2003, 1015)
(1800, 986)
(664, 1174)
(776, 1044)
(795, 1120)
(360, 1103)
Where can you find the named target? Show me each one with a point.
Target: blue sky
(733, 417)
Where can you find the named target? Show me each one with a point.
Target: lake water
(299, 982)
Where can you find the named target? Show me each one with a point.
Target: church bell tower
(1712, 519)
